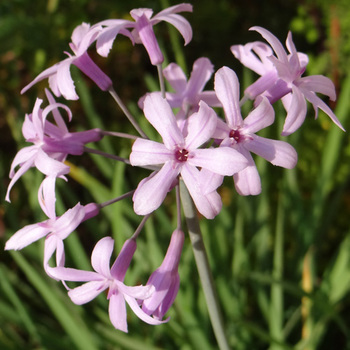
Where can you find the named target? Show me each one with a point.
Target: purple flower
(51, 143)
(281, 77)
(112, 279)
(240, 134)
(143, 29)
(165, 279)
(179, 155)
(55, 229)
(60, 80)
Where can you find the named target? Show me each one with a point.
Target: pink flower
(112, 279)
(60, 80)
(51, 143)
(179, 155)
(143, 29)
(281, 77)
(240, 134)
(165, 279)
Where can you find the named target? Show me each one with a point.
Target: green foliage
(280, 260)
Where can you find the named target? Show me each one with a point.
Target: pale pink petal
(318, 83)
(261, 117)
(141, 314)
(51, 243)
(176, 77)
(222, 160)
(247, 181)
(227, 90)
(254, 56)
(208, 205)
(138, 292)
(296, 112)
(50, 166)
(26, 236)
(147, 152)
(209, 180)
(318, 103)
(201, 126)
(179, 22)
(43, 75)
(101, 256)
(173, 9)
(117, 311)
(69, 221)
(210, 98)
(151, 192)
(201, 73)
(159, 114)
(74, 275)
(87, 292)
(56, 114)
(112, 28)
(47, 196)
(277, 152)
(274, 42)
(222, 130)
(26, 158)
(64, 80)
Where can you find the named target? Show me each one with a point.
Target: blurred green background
(280, 260)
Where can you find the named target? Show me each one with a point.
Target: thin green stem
(203, 267)
(127, 113)
(161, 79)
(107, 155)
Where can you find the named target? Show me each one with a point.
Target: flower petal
(277, 152)
(140, 313)
(200, 127)
(318, 103)
(69, 221)
(26, 236)
(86, 292)
(261, 117)
(151, 192)
(208, 205)
(101, 256)
(318, 83)
(176, 77)
(158, 112)
(222, 160)
(201, 73)
(123, 260)
(147, 152)
(247, 181)
(65, 82)
(117, 311)
(274, 42)
(296, 112)
(227, 91)
(254, 56)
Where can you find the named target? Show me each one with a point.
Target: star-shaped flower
(111, 278)
(180, 155)
(240, 134)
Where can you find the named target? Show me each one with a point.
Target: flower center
(181, 155)
(235, 134)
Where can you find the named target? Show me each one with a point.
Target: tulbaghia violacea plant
(200, 146)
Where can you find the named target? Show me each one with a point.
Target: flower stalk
(203, 267)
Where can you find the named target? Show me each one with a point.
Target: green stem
(127, 113)
(203, 267)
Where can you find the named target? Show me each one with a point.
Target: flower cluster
(200, 145)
